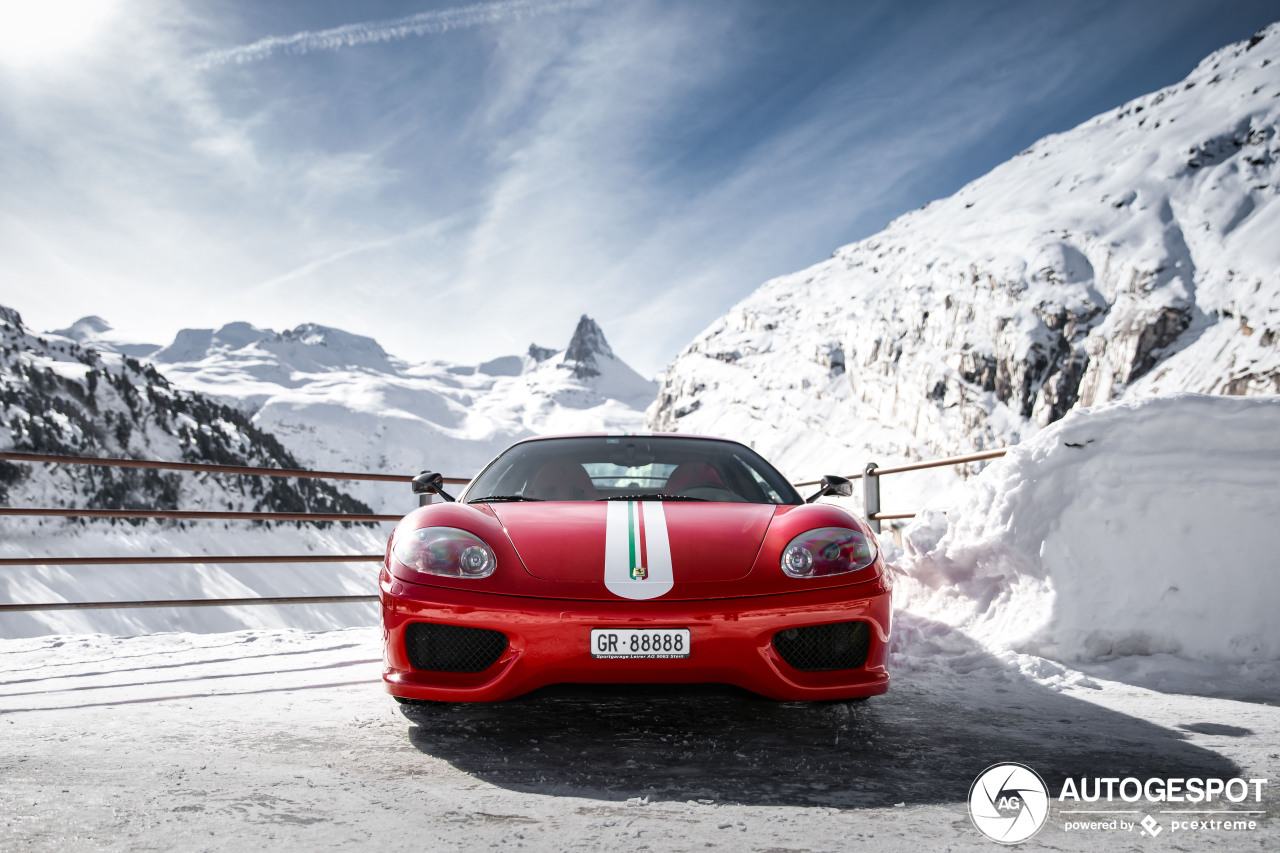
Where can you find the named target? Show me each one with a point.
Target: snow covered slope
(1136, 254)
(1136, 528)
(339, 402)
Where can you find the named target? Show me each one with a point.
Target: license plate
(639, 642)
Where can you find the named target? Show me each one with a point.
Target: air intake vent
(841, 645)
(452, 648)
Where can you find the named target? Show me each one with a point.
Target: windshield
(631, 468)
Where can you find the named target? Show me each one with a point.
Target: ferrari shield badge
(639, 573)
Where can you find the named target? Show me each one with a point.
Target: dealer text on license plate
(639, 642)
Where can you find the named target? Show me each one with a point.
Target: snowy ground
(285, 740)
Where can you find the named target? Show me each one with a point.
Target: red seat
(689, 473)
(562, 480)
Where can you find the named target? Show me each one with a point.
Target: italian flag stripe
(636, 536)
(640, 537)
(633, 532)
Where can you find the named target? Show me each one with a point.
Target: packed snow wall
(1140, 527)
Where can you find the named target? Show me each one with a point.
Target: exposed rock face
(1135, 254)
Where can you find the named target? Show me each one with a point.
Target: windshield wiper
(501, 499)
(653, 497)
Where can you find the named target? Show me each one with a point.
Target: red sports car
(632, 559)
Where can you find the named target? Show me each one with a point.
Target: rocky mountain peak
(588, 342)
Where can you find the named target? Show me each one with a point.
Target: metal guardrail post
(871, 495)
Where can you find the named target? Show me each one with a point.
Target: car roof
(629, 435)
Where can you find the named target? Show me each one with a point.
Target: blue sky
(461, 179)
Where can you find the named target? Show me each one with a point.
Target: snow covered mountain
(58, 397)
(338, 401)
(1137, 254)
(239, 351)
(97, 333)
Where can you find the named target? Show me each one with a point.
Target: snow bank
(1137, 528)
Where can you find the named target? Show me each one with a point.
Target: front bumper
(731, 642)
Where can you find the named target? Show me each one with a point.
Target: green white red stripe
(637, 552)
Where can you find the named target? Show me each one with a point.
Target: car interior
(607, 468)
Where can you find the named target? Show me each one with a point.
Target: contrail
(425, 23)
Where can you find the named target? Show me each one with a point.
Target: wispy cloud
(309, 269)
(425, 23)
(647, 162)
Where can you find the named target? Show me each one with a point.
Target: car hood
(637, 549)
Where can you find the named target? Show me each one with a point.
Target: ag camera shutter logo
(1008, 803)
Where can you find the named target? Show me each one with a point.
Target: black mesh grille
(841, 645)
(452, 648)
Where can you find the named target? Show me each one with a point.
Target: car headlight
(827, 551)
(445, 551)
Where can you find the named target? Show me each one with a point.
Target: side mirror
(430, 483)
(833, 484)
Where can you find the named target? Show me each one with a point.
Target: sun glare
(44, 30)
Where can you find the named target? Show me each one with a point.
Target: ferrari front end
(662, 559)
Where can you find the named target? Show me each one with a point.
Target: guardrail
(871, 474)
(197, 515)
